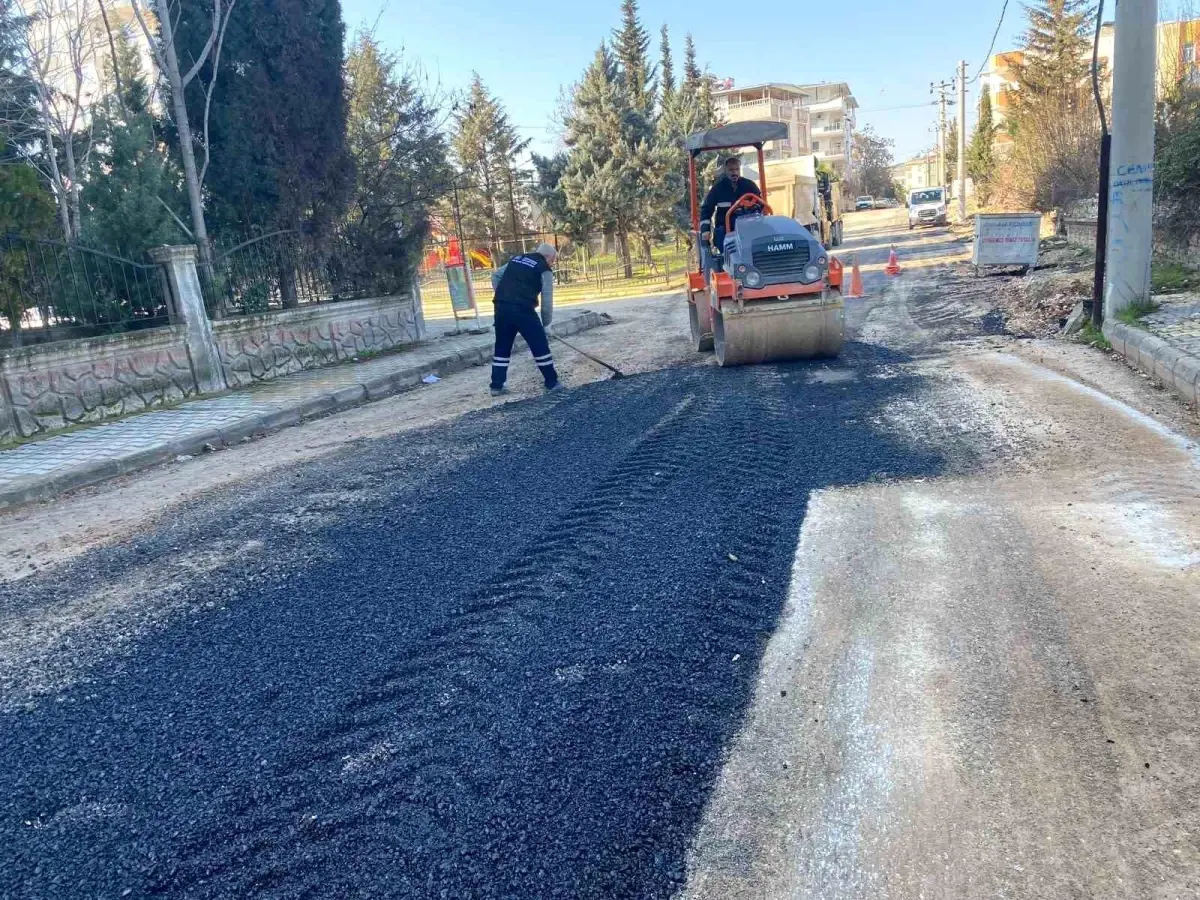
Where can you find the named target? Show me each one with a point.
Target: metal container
(1007, 239)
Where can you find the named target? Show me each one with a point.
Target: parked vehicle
(864, 202)
(926, 207)
(881, 203)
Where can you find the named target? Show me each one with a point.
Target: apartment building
(832, 112)
(918, 172)
(820, 117)
(774, 102)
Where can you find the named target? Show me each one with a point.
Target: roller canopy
(739, 134)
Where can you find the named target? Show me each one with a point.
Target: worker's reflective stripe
(500, 363)
(547, 360)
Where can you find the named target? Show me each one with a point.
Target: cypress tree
(277, 122)
(980, 161)
(666, 71)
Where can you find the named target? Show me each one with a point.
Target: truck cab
(926, 206)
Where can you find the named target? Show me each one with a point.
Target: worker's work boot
(498, 391)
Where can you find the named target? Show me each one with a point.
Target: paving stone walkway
(1177, 321)
(43, 468)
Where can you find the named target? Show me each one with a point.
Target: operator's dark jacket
(722, 196)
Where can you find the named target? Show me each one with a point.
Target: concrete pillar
(1131, 180)
(187, 309)
(419, 304)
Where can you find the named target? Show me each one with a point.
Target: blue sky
(889, 52)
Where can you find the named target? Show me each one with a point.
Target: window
(1189, 54)
(837, 148)
(816, 146)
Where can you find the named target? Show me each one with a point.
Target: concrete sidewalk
(1164, 343)
(45, 468)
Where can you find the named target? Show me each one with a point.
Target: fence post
(419, 306)
(187, 305)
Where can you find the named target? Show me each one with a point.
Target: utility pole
(962, 141)
(1131, 184)
(941, 90)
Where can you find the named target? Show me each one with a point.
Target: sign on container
(1007, 239)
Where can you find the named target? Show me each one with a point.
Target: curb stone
(45, 487)
(1151, 354)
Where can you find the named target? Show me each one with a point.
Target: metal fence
(50, 290)
(591, 267)
(282, 270)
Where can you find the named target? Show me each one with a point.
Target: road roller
(767, 289)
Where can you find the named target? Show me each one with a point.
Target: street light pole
(1131, 183)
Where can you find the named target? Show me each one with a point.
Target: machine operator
(730, 188)
(517, 285)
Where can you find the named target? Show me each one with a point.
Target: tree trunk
(59, 189)
(626, 259)
(187, 151)
(73, 188)
(287, 286)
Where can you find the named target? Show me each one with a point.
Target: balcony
(759, 109)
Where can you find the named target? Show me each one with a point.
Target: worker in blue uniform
(517, 285)
(730, 188)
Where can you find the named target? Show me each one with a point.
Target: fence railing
(280, 270)
(50, 290)
(587, 268)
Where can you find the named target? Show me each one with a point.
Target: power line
(988, 57)
(893, 108)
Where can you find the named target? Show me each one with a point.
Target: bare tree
(167, 58)
(58, 54)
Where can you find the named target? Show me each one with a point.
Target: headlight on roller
(753, 278)
(812, 273)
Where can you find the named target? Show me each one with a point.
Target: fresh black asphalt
(497, 658)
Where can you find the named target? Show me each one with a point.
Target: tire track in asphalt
(433, 693)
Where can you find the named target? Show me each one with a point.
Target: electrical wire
(988, 56)
(893, 108)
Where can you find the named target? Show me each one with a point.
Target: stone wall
(258, 348)
(53, 386)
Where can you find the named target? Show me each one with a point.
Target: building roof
(794, 88)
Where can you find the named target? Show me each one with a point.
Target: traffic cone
(856, 285)
(893, 264)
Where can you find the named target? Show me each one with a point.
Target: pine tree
(488, 147)
(632, 44)
(277, 121)
(1057, 44)
(666, 71)
(980, 160)
(1054, 122)
(400, 165)
(607, 165)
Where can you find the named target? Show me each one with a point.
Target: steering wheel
(745, 202)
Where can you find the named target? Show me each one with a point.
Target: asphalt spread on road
(501, 657)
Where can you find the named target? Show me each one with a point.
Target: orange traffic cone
(893, 264)
(856, 285)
